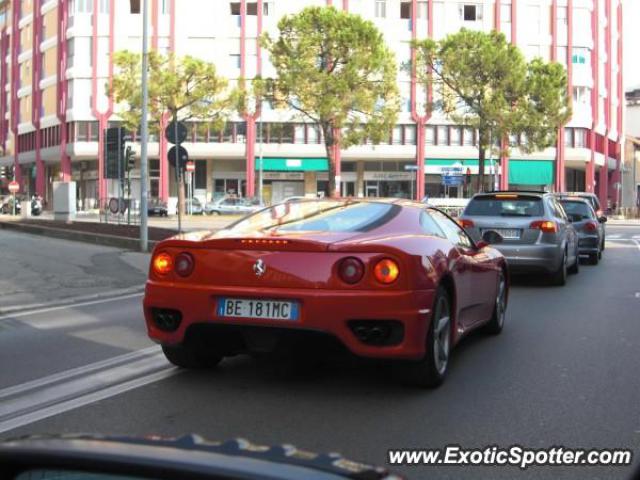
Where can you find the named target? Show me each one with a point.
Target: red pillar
(251, 156)
(15, 85)
(36, 95)
(603, 190)
(420, 158)
(595, 97)
(61, 94)
(504, 166)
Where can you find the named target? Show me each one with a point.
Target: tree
(482, 81)
(186, 88)
(334, 69)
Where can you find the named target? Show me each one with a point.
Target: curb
(77, 236)
(8, 311)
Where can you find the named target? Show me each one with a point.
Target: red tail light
(591, 226)
(546, 226)
(351, 270)
(465, 223)
(162, 263)
(386, 271)
(184, 264)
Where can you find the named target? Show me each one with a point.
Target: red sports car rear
(384, 279)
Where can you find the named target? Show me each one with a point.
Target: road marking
(637, 295)
(57, 377)
(636, 237)
(40, 399)
(614, 236)
(637, 242)
(70, 305)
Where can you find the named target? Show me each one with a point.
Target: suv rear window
(505, 206)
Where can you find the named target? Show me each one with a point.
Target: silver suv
(537, 234)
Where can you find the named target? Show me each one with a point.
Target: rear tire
(496, 323)
(188, 357)
(432, 369)
(594, 258)
(575, 268)
(559, 278)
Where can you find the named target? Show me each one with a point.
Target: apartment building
(57, 60)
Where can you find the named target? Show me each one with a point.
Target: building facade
(57, 61)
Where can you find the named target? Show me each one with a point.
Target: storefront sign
(389, 176)
(294, 162)
(283, 176)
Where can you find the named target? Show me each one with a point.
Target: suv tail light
(162, 263)
(465, 223)
(184, 264)
(545, 226)
(351, 270)
(386, 271)
(591, 226)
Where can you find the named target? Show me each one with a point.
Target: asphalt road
(564, 372)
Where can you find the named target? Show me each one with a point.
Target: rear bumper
(532, 258)
(323, 311)
(588, 243)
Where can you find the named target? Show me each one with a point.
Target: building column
(504, 168)
(337, 161)
(603, 184)
(251, 155)
(560, 182)
(360, 178)
(61, 94)
(163, 182)
(420, 158)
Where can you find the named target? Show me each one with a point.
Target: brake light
(351, 270)
(386, 271)
(184, 264)
(591, 226)
(263, 241)
(465, 223)
(599, 213)
(545, 226)
(506, 195)
(162, 263)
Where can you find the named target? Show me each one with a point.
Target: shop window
(372, 166)
(287, 133)
(201, 175)
(349, 166)
(389, 166)
(83, 131)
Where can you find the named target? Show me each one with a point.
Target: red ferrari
(389, 279)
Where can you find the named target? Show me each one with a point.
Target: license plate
(508, 233)
(254, 308)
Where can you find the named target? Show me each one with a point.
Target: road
(564, 372)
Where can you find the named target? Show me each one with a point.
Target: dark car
(591, 198)
(158, 209)
(538, 236)
(402, 282)
(590, 227)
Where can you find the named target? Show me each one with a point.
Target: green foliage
(482, 81)
(334, 69)
(187, 87)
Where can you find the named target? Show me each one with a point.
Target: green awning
(531, 172)
(448, 162)
(293, 164)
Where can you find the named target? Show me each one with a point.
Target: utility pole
(144, 131)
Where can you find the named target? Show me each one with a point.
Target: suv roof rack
(540, 192)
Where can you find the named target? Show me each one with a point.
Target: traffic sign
(413, 168)
(452, 180)
(190, 166)
(183, 156)
(14, 187)
(175, 135)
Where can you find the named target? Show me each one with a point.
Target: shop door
(348, 189)
(371, 190)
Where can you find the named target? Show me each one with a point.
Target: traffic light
(3, 172)
(114, 139)
(130, 159)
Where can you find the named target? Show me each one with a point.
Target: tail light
(162, 263)
(386, 271)
(465, 223)
(184, 264)
(599, 213)
(591, 226)
(545, 226)
(351, 270)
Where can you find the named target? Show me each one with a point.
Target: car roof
(511, 192)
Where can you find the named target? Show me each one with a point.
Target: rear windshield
(576, 209)
(517, 206)
(318, 216)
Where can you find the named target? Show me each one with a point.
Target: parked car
(590, 228)
(396, 275)
(158, 209)
(538, 236)
(451, 206)
(193, 206)
(231, 206)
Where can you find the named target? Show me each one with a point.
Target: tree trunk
(481, 158)
(329, 145)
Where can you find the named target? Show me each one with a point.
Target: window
(201, 174)
(443, 135)
(423, 9)
(455, 136)
(451, 229)
(313, 134)
(505, 13)
(561, 55)
(83, 131)
(409, 135)
(568, 137)
(581, 95)
(491, 206)
(288, 132)
(252, 9)
(104, 6)
(405, 10)
(430, 135)
(429, 226)
(562, 16)
(580, 138)
(234, 60)
(470, 12)
(135, 6)
(235, 8)
(166, 7)
(396, 136)
(202, 132)
(381, 8)
(468, 137)
(298, 136)
(579, 55)
(94, 128)
(265, 9)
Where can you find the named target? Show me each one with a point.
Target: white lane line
(92, 367)
(637, 242)
(83, 400)
(636, 237)
(615, 236)
(31, 405)
(68, 306)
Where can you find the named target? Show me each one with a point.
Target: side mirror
(489, 237)
(602, 219)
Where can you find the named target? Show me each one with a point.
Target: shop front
(289, 177)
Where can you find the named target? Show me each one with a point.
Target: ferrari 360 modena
(386, 279)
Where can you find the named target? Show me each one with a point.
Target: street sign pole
(178, 176)
(260, 178)
(144, 131)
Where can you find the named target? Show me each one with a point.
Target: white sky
(631, 29)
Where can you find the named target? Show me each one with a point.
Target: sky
(631, 29)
